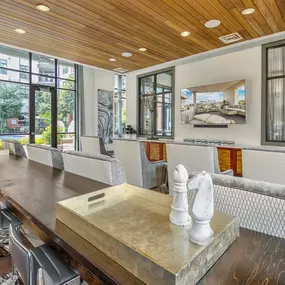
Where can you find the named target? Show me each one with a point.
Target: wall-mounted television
(214, 104)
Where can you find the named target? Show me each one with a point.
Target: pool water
(13, 137)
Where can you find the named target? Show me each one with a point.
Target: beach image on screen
(220, 103)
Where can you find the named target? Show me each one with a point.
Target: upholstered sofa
(240, 109)
(102, 168)
(45, 155)
(15, 147)
(260, 206)
(264, 164)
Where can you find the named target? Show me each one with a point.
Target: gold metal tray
(131, 225)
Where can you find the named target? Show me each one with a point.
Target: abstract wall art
(105, 115)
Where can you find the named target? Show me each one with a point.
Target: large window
(22, 72)
(120, 97)
(14, 109)
(155, 104)
(274, 93)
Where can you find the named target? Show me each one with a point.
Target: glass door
(43, 115)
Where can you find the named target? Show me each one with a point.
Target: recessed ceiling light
(43, 8)
(112, 59)
(126, 54)
(185, 34)
(142, 49)
(212, 24)
(248, 11)
(20, 31)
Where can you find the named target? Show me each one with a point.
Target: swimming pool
(13, 137)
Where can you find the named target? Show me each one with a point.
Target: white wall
(132, 100)
(94, 79)
(243, 64)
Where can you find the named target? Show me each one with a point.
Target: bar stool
(27, 263)
(7, 218)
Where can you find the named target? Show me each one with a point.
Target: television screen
(220, 103)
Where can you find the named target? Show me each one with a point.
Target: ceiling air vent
(121, 70)
(231, 38)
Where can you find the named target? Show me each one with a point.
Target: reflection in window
(155, 101)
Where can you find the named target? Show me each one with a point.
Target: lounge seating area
(246, 198)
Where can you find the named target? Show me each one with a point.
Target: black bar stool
(27, 263)
(7, 218)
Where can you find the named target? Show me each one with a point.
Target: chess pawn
(202, 208)
(179, 209)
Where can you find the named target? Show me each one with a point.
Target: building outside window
(24, 76)
(48, 98)
(155, 104)
(3, 64)
(65, 70)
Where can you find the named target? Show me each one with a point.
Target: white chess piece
(179, 209)
(201, 208)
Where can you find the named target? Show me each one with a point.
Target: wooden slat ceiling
(92, 31)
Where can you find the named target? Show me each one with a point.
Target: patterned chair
(45, 155)
(102, 168)
(139, 170)
(260, 206)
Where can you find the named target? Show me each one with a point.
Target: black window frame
(55, 78)
(140, 116)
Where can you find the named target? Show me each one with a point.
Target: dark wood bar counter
(31, 191)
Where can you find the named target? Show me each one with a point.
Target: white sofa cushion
(194, 158)
(97, 167)
(128, 153)
(90, 145)
(45, 155)
(263, 165)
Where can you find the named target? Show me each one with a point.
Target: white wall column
(94, 79)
